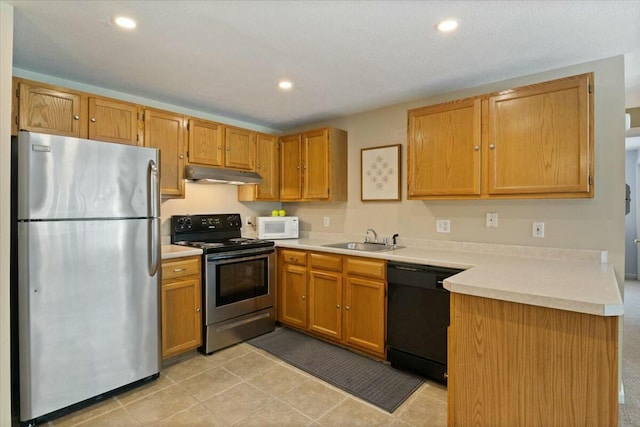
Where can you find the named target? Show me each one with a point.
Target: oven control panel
(194, 223)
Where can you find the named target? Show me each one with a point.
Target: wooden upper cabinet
(113, 121)
(316, 164)
(530, 142)
(267, 166)
(290, 167)
(240, 148)
(206, 141)
(313, 166)
(47, 109)
(165, 130)
(444, 149)
(540, 138)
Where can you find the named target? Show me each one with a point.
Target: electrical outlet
(492, 219)
(443, 226)
(538, 229)
(326, 221)
(247, 220)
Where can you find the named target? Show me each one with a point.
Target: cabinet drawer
(180, 268)
(366, 267)
(326, 262)
(294, 257)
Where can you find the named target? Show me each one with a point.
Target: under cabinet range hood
(220, 176)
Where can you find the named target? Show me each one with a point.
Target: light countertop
(177, 251)
(584, 286)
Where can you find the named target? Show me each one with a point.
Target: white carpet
(629, 415)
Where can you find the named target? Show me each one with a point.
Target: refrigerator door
(65, 178)
(88, 310)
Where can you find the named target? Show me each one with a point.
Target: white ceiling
(344, 57)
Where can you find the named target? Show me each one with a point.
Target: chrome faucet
(375, 236)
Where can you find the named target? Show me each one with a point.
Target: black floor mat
(370, 380)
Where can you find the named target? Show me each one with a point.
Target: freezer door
(64, 178)
(88, 310)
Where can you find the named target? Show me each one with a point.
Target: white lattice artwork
(380, 174)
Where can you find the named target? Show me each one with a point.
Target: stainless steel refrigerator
(87, 258)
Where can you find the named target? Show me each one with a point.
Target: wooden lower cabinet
(514, 364)
(342, 297)
(181, 295)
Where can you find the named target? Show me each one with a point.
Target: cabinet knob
(219, 147)
(93, 119)
(304, 167)
(298, 167)
(181, 156)
(304, 297)
(198, 310)
(347, 307)
(228, 148)
(292, 259)
(476, 147)
(337, 305)
(446, 375)
(492, 146)
(76, 117)
(259, 166)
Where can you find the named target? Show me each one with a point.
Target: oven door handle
(226, 258)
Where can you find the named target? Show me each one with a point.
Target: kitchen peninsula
(532, 337)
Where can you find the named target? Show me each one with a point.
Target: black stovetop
(212, 233)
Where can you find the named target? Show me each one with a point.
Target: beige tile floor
(246, 386)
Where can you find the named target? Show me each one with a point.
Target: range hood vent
(220, 176)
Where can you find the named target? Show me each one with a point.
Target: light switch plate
(443, 226)
(326, 221)
(538, 229)
(492, 219)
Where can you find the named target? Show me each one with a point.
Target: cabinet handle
(491, 146)
(292, 259)
(197, 310)
(76, 117)
(337, 305)
(93, 119)
(181, 156)
(304, 297)
(476, 147)
(177, 270)
(347, 307)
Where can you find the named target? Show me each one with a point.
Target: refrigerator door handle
(153, 195)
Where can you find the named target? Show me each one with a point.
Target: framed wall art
(380, 173)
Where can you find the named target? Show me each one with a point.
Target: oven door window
(241, 280)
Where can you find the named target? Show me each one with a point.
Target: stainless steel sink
(360, 246)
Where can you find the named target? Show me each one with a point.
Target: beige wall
(6, 60)
(596, 223)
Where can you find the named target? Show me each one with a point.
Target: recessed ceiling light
(447, 25)
(285, 85)
(124, 22)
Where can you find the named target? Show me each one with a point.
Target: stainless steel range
(238, 277)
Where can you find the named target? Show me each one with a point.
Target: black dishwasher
(417, 319)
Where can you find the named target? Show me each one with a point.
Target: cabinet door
(165, 131)
(205, 143)
(240, 148)
(540, 139)
(444, 150)
(48, 110)
(181, 316)
(113, 121)
(325, 298)
(267, 161)
(290, 172)
(364, 310)
(316, 165)
(293, 295)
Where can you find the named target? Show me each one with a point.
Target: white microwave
(277, 227)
